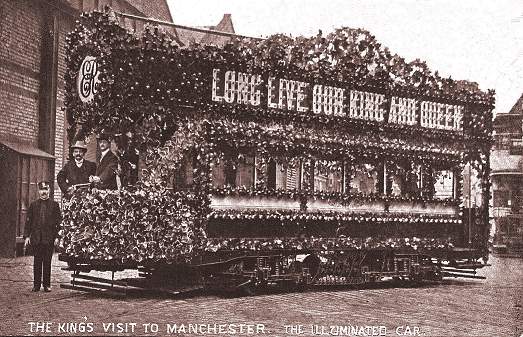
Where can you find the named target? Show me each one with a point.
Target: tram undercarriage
(285, 271)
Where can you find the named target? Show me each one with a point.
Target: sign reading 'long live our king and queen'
(231, 86)
(234, 87)
(87, 81)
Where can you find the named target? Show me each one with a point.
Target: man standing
(41, 229)
(75, 171)
(107, 169)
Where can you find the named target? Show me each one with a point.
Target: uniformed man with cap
(75, 171)
(41, 230)
(107, 168)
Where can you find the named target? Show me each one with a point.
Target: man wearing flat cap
(107, 168)
(41, 230)
(75, 171)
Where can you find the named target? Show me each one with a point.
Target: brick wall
(19, 70)
(21, 29)
(61, 144)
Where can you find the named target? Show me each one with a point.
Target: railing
(236, 202)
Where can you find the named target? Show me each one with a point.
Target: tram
(321, 161)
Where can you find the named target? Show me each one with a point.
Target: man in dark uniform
(41, 229)
(75, 171)
(107, 169)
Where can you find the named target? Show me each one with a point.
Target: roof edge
(25, 149)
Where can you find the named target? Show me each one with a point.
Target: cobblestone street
(491, 307)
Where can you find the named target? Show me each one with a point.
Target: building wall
(19, 69)
(22, 25)
(21, 42)
(31, 111)
(61, 143)
(507, 168)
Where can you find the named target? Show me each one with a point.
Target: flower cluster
(362, 218)
(147, 81)
(331, 197)
(139, 226)
(270, 139)
(326, 245)
(157, 94)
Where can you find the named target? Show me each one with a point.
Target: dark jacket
(43, 231)
(71, 174)
(106, 170)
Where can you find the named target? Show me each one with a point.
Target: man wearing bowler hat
(41, 229)
(75, 171)
(107, 168)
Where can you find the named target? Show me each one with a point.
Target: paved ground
(491, 307)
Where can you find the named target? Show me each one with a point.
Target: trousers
(43, 253)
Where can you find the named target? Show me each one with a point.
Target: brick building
(507, 178)
(32, 127)
(33, 141)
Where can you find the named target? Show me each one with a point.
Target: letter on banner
(229, 88)
(255, 92)
(317, 96)
(215, 85)
(270, 93)
(242, 90)
(291, 88)
(300, 97)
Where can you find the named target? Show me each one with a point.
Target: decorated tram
(280, 162)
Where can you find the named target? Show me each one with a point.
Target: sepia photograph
(273, 168)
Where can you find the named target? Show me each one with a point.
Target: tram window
(287, 177)
(328, 176)
(397, 185)
(218, 174)
(233, 174)
(224, 174)
(282, 175)
(405, 181)
(444, 184)
(364, 179)
(183, 177)
(471, 188)
(245, 173)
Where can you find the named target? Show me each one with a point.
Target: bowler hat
(79, 145)
(43, 185)
(104, 136)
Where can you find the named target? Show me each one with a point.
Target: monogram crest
(87, 80)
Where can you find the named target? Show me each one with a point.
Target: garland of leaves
(325, 245)
(151, 91)
(293, 215)
(273, 139)
(131, 226)
(144, 79)
(331, 197)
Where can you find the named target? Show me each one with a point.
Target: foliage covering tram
(310, 161)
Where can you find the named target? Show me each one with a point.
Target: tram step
(98, 279)
(91, 290)
(448, 274)
(98, 286)
(458, 270)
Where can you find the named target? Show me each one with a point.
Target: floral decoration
(156, 95)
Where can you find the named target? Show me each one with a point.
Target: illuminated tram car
(263, 172)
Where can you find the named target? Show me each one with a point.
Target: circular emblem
(87, 81)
